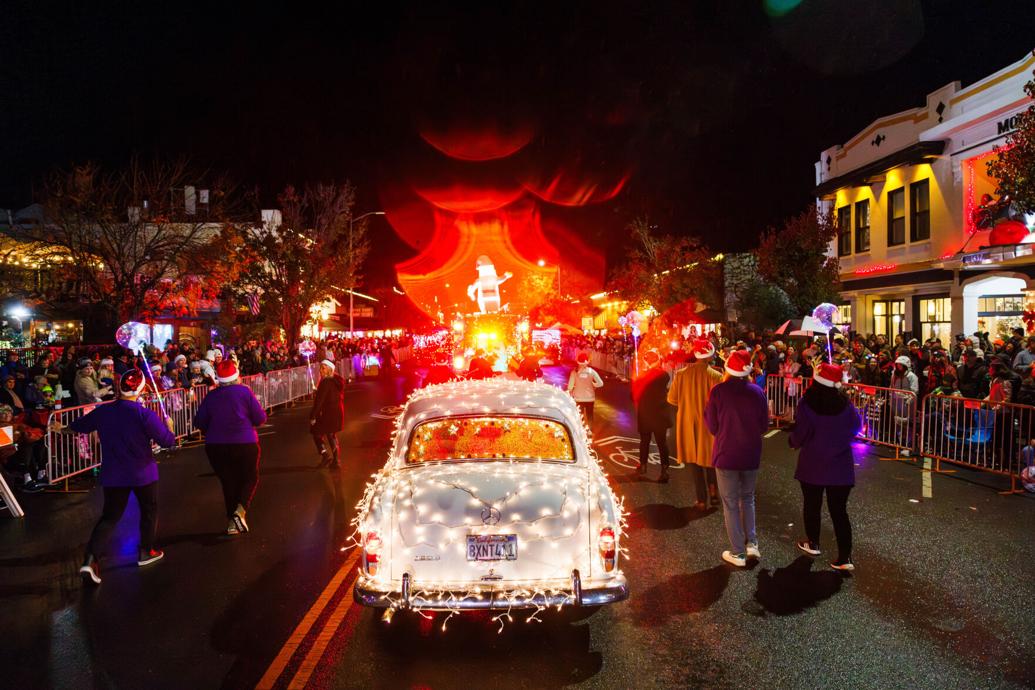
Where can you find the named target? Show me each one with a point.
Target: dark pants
(660, 438)
(705, 482)
(328, 443)
(115, 500)
(237, 466)
(587, 411)
(837, 504)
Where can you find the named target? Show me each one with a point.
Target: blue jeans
(737, 489)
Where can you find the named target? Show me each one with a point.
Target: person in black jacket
(972, 376)
(327, 418)
(653, 413)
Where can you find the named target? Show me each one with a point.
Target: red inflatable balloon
(1008, 232)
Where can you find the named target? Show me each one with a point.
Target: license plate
(492, 547)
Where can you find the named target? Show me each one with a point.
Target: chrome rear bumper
(413, 595)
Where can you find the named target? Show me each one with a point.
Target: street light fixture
(352, 278)
(542, 264)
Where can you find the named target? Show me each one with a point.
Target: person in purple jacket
(126, 429)
(228, 416)
(825, 426)
(737, 415)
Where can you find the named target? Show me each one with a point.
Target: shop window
(897, 217)
(936, 319)
(862, 226)
(843, 320)
(919, 211)
(844, 231)
(889, 318)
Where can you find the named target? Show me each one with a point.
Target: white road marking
(772, 433)
(926, 481)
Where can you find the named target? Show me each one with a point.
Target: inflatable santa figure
(486, 290)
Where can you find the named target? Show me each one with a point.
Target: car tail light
(372, 552)
(606, 544)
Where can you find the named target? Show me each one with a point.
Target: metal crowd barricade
(71, 454)
(278, 387)
(177, 406)
(257, 384)
(976, 433)
(889, 415)
(194, 397)
(783, 393)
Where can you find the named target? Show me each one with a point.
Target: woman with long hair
(825, 427)
(327, 418)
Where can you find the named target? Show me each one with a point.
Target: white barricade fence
(177, 406)
(889, 415)
(976, 433)
(278, 387)
(257, 384)
(783, 393)
(69, 454)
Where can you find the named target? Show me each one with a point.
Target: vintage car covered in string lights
(491, 499)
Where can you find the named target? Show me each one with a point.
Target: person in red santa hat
(689, 393)
(737, 414)
(826, 424)
(228, 417)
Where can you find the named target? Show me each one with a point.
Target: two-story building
(904, 193)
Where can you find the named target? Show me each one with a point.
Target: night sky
(713, 112)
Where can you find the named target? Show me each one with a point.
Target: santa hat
(327, 363)
(107, 362)
(739, 364)
(210, 355)
(132, 382)
(583, 358)
(703, 349)
(829, 375)
(180, 358)
(226, 372)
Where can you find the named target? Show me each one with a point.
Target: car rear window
(490, 438)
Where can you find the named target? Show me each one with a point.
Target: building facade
(905, 193)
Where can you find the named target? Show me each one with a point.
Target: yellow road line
(926, 489)
(322, 640)
(302, 629)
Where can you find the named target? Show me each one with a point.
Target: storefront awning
(917, 153)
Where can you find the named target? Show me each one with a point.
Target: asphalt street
(940, 599)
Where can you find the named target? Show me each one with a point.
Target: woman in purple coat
(826, 424)
(327, 418)
(228, 416)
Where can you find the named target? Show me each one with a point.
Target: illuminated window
(844, 316)
(862, 226)
(844, 231)
(889, 317)
(897, 217)
(490, 438)
(919, 211)
(936, 319)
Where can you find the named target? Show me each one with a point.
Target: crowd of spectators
(974, 366)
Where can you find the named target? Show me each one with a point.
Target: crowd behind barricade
(992, 379)
(77, 376)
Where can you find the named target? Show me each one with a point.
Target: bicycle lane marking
(292, 644)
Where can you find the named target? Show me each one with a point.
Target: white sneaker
(752, 551)
(736, 559)
(231, 529)
(904, 452)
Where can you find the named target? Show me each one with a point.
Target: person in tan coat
(689, 393)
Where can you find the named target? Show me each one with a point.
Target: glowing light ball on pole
(133, 335)
(824, 314)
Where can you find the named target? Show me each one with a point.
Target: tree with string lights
(1013, 166)
(307, 257)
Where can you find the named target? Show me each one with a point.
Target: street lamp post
(542, 264)
(352, 264)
